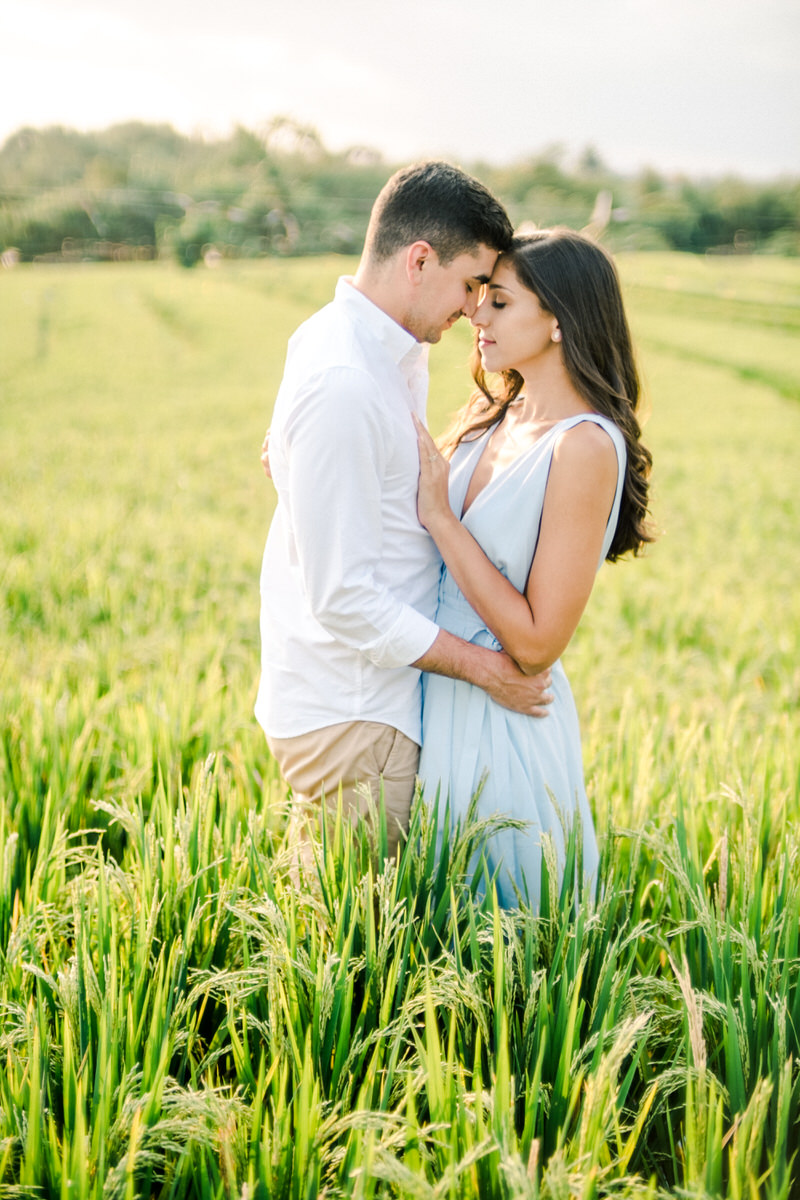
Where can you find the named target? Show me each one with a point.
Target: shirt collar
(401, 345)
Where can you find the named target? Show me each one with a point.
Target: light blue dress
(530, 769)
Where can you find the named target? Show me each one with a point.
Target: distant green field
(177, 1020)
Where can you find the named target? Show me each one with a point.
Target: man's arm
(265, 456)
(491, 670)
(328, 461)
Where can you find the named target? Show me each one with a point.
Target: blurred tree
(285, 135)
(590, 163)
(40, 158)
(278, 190)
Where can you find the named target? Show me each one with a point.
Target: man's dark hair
(438, 203)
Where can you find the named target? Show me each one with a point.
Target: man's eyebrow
(481, 279)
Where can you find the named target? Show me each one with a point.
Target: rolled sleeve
(337, 441)
(410, 638)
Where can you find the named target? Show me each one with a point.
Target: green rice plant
(106, 1027)
(734, 923)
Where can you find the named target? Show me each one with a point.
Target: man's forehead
(480, 263)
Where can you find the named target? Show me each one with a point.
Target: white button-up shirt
(349, 577)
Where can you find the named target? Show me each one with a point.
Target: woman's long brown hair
(576, 281)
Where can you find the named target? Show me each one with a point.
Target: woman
(541, 477)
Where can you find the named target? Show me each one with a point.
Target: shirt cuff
(411, 636)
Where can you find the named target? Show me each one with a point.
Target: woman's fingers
(428, 450)
(265, 456)
(424, 439)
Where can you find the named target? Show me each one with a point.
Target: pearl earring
(556, 336)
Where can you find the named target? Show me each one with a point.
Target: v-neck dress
(526, 767)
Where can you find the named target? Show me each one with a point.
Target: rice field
(177, 1017)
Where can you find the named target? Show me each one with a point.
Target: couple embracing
(415, 595)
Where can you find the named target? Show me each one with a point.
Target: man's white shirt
(349, 578)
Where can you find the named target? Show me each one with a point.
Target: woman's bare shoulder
(585, 446)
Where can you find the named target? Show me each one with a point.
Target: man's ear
(419, 256)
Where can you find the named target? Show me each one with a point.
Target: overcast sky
(700, 86)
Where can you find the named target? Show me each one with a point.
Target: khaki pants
(359, 755)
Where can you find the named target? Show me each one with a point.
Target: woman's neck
(548, 394)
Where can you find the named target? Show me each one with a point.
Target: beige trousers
(365, 757)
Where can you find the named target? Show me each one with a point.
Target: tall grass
(178, 1017)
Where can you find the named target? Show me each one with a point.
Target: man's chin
(436, 335)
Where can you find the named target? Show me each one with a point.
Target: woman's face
(513, 328)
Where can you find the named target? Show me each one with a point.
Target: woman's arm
(534, 627)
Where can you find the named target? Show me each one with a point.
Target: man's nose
(471, 304)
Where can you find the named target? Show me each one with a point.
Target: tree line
(145, 191)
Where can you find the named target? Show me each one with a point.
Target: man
(349, 578)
